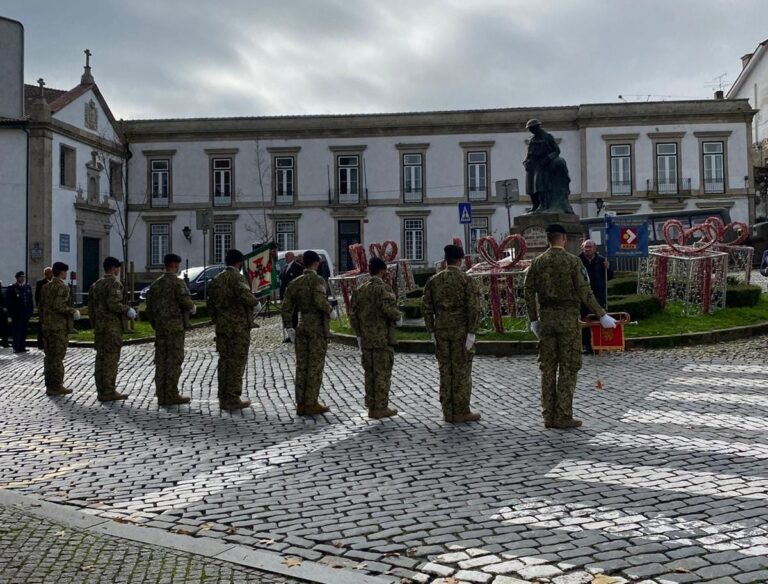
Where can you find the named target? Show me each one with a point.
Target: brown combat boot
(379, 413)
(114, 396)
(566, 423)
(240, 404)
(60, 391)
(311, 409)
(176, 400)
(468, 417)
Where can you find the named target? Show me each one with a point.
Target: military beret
(111, 262)
(453, 252)
(555, 228)
(172, 258)
(233, 256)
(59, 267)
(19, 273)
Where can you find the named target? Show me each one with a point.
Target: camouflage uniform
(168, 302)
(451, 307)
(560, 282)
(306, 294)
(374, 314)
(55, 315)
(106, 311)
(231, 304)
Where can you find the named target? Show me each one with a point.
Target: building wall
(13, 200)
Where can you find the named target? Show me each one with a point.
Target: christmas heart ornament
(678, 237)
(488, 249)
(509, 242)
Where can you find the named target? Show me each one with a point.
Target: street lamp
(599, 203)
(187, 233)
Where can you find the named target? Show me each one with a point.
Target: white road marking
(709, 382)
(688, 418)
(725, 368)
(713, 398)
(668, 443)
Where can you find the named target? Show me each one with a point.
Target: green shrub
(422, 276)
(639, 306)
(411, 308)
(622, 286)
(742, 295)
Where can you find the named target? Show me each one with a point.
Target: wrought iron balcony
(668, 188)
(621, 187)
(714, 185)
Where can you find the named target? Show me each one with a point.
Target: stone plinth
(532, 227)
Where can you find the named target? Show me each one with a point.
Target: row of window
(286, 237)
(668, 180)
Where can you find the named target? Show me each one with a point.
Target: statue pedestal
(532, 228)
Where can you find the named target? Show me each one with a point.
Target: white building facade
(329, 181)
(752, 84)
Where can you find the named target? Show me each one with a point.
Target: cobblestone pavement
(36, 550)
(666, 482)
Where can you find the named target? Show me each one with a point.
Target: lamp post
(187, 233)
(599, 203)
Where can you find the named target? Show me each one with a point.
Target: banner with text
(626, 237)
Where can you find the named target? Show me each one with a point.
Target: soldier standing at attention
(232, 306)
(168, 302)
(451, 307)
(558, 280)
(106, 311)
(306, 294)
(18, 299)
(373, 318)
(54, 301)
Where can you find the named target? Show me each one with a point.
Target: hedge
(742, 295)
(422, 276)
(622, 286)
(639, 306)
(412, 308)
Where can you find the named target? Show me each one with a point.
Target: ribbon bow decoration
(387, 251)
(737, 228)
(677, 237)
(493, 253)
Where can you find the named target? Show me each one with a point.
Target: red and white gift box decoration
(345, 284)
(399, 274)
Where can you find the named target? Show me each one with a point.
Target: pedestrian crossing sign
(465, 213)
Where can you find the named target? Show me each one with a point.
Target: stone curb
(509, 348)
(206, 547)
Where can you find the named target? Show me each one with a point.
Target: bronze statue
(546, 174)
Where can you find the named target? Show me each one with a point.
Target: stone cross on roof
(87, 57)
(87, 78)
(41, 83)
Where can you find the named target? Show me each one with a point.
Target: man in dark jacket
(599, 271)
(3, 319)
(20, 304)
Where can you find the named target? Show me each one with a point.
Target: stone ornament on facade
(686, 270)
(91, 116)
(500, 278)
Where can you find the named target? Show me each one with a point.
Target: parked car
(199, 277)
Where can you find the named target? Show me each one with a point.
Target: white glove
(193, 312)
(256, 309)
(607, 321)
(470, 342)
(131, 314)
(535, 327)
(434, 340)
(76, 315)
(291, 334)
(401, 321)
(360, 343)
(334, 313)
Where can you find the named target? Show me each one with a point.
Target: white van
(324, 256)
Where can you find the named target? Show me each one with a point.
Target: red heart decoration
(707, 232)
(488, 249)
(493, 252)
(386, 251)
(522, 247)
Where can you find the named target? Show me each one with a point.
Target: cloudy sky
(187, 58)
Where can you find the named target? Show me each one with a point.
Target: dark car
(199, 278)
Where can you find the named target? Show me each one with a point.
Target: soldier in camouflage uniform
(106, 311)
(55, 314)
(307, 295)
(558, 280)
(232, 304)
(451, 308)
(373, 318)
(168, 302)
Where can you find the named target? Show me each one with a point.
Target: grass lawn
(142, 329)
(668, 322)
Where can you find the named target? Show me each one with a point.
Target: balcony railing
(284, 199)
(478, 194)
(412, 196)
(158, 200)
(662, 188)
(621, 187)
(222, 200)
(714, 185)
(348, 198)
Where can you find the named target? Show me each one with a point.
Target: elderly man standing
(556, 285)
(54, 302)
(599, 271)
(451, 307)
(47, 277)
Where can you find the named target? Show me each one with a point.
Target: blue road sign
(465, 213)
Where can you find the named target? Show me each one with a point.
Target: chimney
(87, 78)
(745, 59)
(719, 94)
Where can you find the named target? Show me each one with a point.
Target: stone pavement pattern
(36, 550)
(667, 482)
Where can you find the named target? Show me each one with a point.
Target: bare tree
(262, 227)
